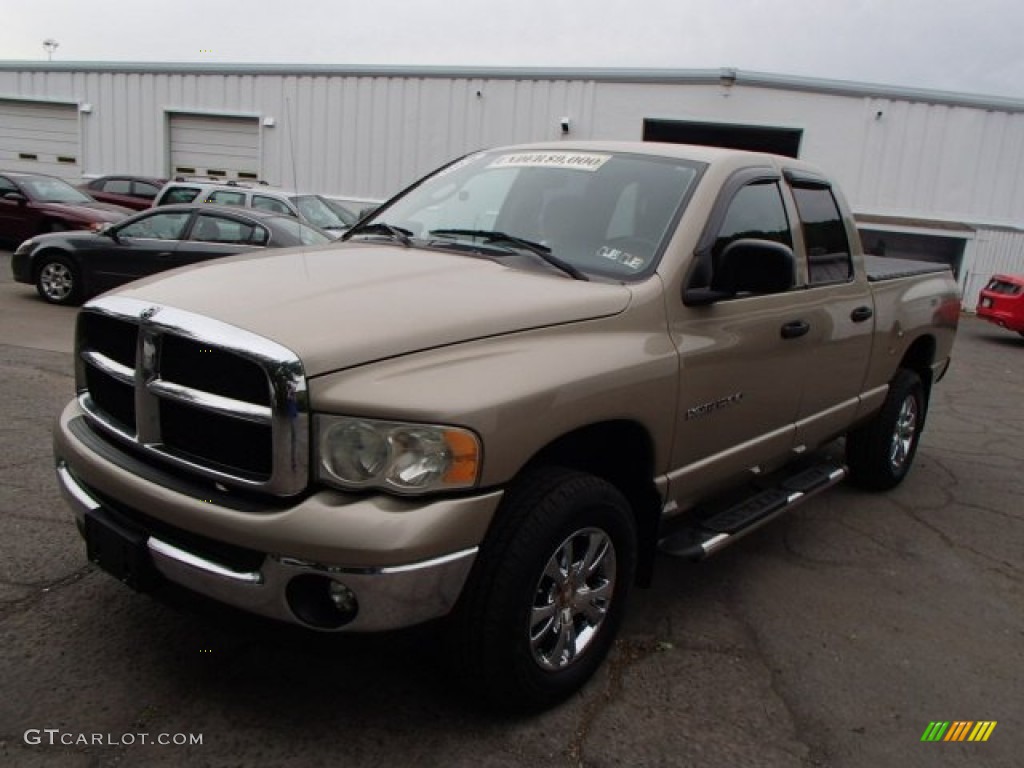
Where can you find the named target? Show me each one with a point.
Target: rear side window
(828, 250)
(118, 187)
(223, 197)
(180, 195)
(219, 229)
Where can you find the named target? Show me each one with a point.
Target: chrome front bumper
(399, 561)
(388, 597)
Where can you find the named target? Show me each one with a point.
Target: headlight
(403, 458)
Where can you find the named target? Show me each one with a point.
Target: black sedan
(68, 267)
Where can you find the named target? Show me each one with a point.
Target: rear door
(839, 310)
(214, 235)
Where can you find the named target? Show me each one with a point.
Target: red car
(1002, 302)
(31, 204)
(136, 192)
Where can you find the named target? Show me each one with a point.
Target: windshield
(601, 213)
(317, 212)
(348, 216)
(45, 190)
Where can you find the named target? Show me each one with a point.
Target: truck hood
(345, 305)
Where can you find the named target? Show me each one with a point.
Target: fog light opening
(321, 602)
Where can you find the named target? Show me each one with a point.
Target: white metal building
(930, 174)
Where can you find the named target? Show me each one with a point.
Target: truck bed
(884, 268)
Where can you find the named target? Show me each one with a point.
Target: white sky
(973, 46)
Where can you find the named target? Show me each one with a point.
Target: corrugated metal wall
(995, 251)
(369, 134)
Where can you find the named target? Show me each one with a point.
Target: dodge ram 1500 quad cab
(500, 397)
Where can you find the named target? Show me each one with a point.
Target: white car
(310, 208)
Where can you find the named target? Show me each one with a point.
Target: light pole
(50, 45)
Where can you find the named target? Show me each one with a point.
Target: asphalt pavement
(832, 637)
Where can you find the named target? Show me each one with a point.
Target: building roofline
(725, 76)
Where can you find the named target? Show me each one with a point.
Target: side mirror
(747, 266)
(107, 230)
(16, 197)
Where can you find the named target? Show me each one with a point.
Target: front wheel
(880, 452)
(58, 280)
(548, 590)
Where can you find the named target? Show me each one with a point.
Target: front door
(742, 360)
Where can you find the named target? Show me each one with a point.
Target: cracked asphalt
(829, 638)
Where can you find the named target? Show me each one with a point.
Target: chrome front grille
(195, 393)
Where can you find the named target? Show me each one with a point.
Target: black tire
(509, 625)
(880, 452)
(58, 280)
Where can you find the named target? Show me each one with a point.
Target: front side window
(756, 212)
(6, 185)
(168, 225)
(828, 249)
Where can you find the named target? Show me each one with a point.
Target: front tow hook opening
(321, 602)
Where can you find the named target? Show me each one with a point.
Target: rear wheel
(58, 280)
(548, 590)
(880, 452)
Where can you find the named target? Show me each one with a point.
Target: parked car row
(74, 242)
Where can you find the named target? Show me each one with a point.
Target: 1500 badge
(705, 408)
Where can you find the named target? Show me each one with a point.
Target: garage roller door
(39, 138)
(221, 147)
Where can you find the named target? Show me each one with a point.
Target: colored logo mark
(959, 730)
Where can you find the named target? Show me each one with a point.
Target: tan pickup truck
(496, 401)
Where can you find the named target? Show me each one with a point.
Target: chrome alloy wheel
(56, 281)
(572, 598)
(903, 434)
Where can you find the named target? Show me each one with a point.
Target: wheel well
(919, 359)
(39, 260)
(622, 453)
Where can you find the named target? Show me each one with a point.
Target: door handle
(860, 314)
(795, 330)
(165, 255)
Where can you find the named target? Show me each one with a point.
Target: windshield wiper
(538, 249)
(404, 236)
